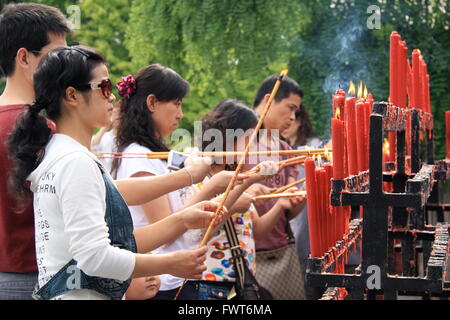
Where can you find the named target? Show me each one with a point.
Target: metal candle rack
(394, 224)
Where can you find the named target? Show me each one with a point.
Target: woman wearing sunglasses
(85, 244)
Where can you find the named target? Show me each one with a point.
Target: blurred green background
(226, 48)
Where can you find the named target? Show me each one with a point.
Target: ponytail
(26, 146)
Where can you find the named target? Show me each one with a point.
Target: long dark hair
(305, 130)
(58, 70)
(136, 124)
(27, 25)
(229, 114)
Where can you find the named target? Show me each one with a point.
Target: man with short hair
(280, 117)
(27, 32)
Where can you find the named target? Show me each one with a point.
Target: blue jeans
(17, 286)
(214, 290)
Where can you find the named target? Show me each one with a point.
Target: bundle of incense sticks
(165, 155)
(283, 164)
(287, 187)
(281, 195)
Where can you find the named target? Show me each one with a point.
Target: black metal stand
(394, 224)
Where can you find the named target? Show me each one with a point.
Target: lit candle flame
(327, 154)
(338, 113)
(352, 89)
(360, 90)
(366, 92)
(386, 146)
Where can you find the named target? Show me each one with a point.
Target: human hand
(258, 189)
(200, 215)
(197, 167)
(242, 204)
(264, 170)
(293, 205)
(187, 264)
(221, 180)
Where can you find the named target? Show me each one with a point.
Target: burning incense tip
(284, 73)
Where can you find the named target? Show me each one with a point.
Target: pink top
(278, 237)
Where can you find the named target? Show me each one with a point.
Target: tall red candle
(447, 123)
(360, 134)
(402, 73)
(311, 200)
(321, 176)
(351, 136)
(416, 79)
(339, 101)
(394, 67)
(423, 80)
(331, 216)
(428, 93)
(410, 105)
(337, 140)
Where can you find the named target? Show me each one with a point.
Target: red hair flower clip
(127, 87)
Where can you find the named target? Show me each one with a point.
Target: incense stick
(293, 184)
(165, 155)
(280, 195)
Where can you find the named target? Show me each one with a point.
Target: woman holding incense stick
(233, 119)
(85, 244)
(151, 109)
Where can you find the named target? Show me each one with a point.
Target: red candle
(321, 176)
(351, 136)
(402, 72)
(337, 140)
(360, 134)
(410, 105)
(447, 123)
(366, 134)
(331, 216)
(311, 200)
(423, 80)
(428, 93)
(339, 101)
(416, 79)
(394, 67)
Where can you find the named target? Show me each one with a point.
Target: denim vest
(70, 277)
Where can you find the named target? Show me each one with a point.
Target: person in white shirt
(151, 109)
(85, 243)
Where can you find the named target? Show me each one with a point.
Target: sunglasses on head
(105, 85)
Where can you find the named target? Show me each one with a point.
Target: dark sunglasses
(105, 85)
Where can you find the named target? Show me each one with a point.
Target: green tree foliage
(338, 47)
(223, 48)
(102, 26)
